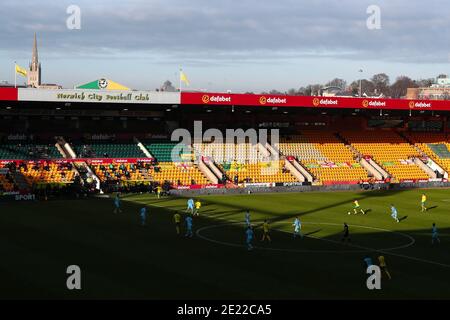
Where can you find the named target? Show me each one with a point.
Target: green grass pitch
(121, 259)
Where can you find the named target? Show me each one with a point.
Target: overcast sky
(226, 45)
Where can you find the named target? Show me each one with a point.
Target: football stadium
(333, 192)
(68, 155)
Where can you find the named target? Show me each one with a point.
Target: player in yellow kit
(177, 220)
(383, 266)
(423, 201)
(158, 191)
(198, 205)
(266, 231)
(357, 207)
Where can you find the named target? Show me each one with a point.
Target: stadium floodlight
(360, 83)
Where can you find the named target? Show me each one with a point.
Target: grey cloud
(232, 31)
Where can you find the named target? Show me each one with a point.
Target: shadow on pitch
(403, 218)
(312, 232)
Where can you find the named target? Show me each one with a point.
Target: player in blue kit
(394, 213)
(117, 204)
(249, 233)
(368, 261)
(190, 206)
(247, 218)
(297, 227)
(143, 215)
(434, 234)
(188, 227)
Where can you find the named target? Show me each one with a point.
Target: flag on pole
(183, 77)
(21, 71)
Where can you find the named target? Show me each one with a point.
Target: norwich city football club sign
(99, 96)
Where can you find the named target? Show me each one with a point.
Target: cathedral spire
(34, 74)
(34, 58)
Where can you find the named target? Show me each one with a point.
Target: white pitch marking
(385, 251)
(412, 241)
(324, 251)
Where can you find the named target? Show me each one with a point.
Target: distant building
(34, 72)
(6, 84)
(437, 91)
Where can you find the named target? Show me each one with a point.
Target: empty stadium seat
(389, 150)
(324, 156)
(108, 150)
(28, 151)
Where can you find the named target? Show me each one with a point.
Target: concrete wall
(334, 188)
(425, 168)
(207, 172)
(293, 170)
(377, 175)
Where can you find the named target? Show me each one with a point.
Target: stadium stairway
(292, 166)
(434, 146)
(370, 165)
(64, 148)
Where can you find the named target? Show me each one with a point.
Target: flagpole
(15, 75)
(179, 76)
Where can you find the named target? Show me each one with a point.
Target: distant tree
(442, 76)
(275, 92)
(400, 86)
(168, 87)
(336, 82)
(381, 83)
(367, 86)
(292, 92)
(313, 89)
(302, 91)
(421, 83)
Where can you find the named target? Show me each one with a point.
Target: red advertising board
(8, 94)
(88, 160)
(255, 100)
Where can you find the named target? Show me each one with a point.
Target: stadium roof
(216, 99)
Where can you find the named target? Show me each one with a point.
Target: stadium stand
(324, 156)
(107, 150)
(28, 151)
(435, 145)
(245, 163)
(47, 173)
(120, 172)
(389, 150)
(177, 171)
(7, 183)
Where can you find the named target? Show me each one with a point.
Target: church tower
(34, 74)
